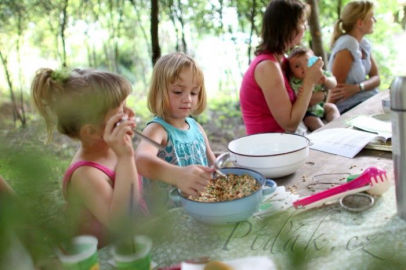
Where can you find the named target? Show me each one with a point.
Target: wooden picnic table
(330, 237)
(324, 163)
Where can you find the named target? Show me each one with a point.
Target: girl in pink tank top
(102, 182)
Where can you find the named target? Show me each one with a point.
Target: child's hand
(194, 179)
(129, 113)
(300, 91)
(314, 73)
(118, 134)
(322, 80)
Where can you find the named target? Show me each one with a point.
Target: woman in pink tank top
(268, 103)
(102, 183)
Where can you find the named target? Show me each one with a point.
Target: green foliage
(115, 35)
(37, 216)
(222, 121)
(34, 214)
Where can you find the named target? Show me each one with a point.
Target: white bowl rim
(269, 155)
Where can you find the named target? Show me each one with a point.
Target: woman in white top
(351, 60)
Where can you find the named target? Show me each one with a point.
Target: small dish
(386, 105)
(385, 117)
(357, 202)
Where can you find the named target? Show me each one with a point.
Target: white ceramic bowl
(272, 154)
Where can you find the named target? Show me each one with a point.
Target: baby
(318, 109)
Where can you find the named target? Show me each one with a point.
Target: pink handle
(360, 181)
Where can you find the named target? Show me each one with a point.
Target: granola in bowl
(227, 189)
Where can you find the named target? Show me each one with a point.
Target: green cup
(140, 260)
(81, 255)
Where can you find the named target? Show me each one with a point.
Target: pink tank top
(88, 223)
(68, 174)
(255, 112)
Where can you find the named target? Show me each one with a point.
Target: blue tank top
(184, 147)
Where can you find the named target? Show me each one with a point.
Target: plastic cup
(312, 60)
(81, 255)
(140, 260)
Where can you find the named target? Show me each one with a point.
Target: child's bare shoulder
(88, 176)
(156, 132)
(154, 128)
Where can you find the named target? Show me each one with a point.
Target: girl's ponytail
(351, 13)
(68, 99)
(337, 32)
(45, 87)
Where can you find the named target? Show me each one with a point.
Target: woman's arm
(342, 63)
(270, 79)
(373, 80)
(329, 82)
(341, 67)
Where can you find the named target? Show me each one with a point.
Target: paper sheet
(373, 124)
(247, 263)
(345, 142)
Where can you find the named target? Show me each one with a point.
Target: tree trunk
(252, 20)
(20, 76)
(403, 21)
(116, 34)
(156, 50)
(16, 112)
(221, 14)
(172, 14)
(182, 24)
(317, 42)
(339, 5)
(62, 33)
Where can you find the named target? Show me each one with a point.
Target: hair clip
(60, 75)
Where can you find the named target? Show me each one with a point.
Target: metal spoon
(151, 141)
(142, 136)
(219, 162)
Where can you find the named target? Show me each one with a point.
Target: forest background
(127, 36)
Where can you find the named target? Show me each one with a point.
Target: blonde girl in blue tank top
(177, 91)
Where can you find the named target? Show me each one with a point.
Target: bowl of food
(227, 200)
(272, 154)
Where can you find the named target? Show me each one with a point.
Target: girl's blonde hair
(350, 14)
(69, 99)
(166, 71)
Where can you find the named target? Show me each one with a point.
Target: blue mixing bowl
(227, 211)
